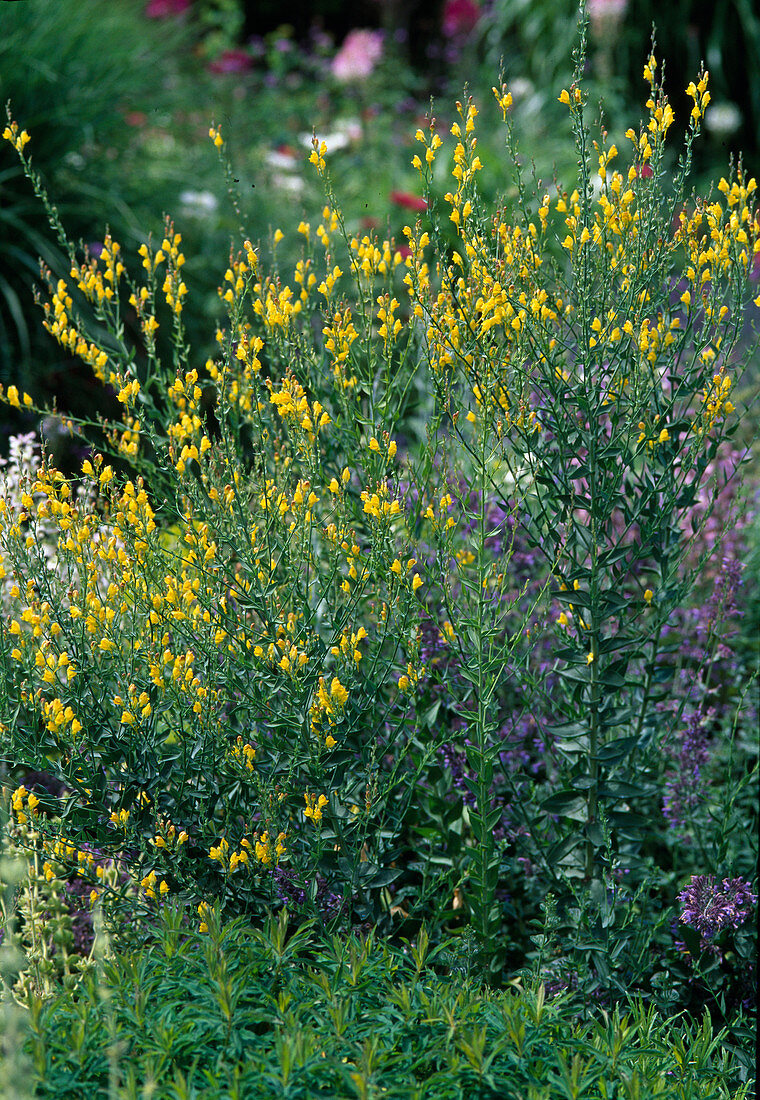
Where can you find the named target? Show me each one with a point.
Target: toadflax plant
(212, 635)
(597, 340)
(261, 569)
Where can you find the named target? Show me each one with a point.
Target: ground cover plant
(399, 615)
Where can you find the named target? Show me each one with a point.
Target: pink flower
(162, 9)
(357, 57)
(231, 61)
(459, 17)
(409, 202)
(602, 9)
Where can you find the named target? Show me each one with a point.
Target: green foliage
(250, 1012)
(380, 610)
(74, 70)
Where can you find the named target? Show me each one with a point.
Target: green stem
(483, 836)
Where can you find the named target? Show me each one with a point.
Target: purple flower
(722, 603)
(710, 908)
(683, 789)
(455, 760)
(294, 894)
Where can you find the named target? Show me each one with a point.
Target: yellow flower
(220, 851)
(314, 806)
(338, 692)
(649, 595)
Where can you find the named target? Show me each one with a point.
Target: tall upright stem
(485, 873)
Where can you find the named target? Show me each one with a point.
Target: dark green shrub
(250, 1012)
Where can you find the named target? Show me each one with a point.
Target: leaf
(609, 557)
(430, 715)
(568, 730)
(576, 598)
(615, 716)
(620, 641)
(615, 751)
(566, 803)
(583, 782)
(372, 875)
(620, 789)
(562, 848)
(577, 675)
(612, 601)
(624, 820)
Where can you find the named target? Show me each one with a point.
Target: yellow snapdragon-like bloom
(314, 806)
(17, 140)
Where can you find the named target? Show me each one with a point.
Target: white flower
(199, 202)
(723, 118)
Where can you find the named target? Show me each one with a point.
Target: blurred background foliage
(119, 97)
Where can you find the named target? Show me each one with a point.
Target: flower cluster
(286, 559)
(358, 56)
(684, 786)
(710, 907)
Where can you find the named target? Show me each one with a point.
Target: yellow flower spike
(338, 692)
(314, 807)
